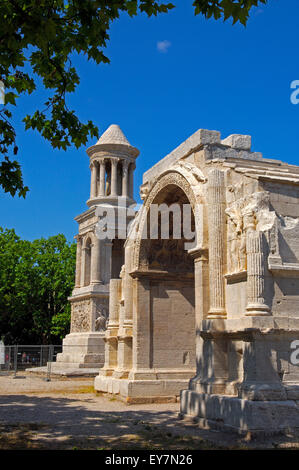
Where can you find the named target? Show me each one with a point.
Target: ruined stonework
(211, 320)
(112, 164)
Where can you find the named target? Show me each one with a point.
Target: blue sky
(203, 74)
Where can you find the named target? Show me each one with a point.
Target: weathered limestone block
(238, 141)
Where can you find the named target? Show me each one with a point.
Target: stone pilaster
(83, 263)
(216, 222)
(255, 275)
(111, 339)
(115, 292)
(78, 262)
(124, 357)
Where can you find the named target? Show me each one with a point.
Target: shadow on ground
(31, 422)
(92, 422)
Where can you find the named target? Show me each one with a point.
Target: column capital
(93, 163)
(199, 254)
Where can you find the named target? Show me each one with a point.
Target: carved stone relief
(248, 213)
(101, 319)
(193, 169)
(81, 316)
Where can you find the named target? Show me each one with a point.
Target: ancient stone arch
(245, 286)
(177, 179)
(212, 324)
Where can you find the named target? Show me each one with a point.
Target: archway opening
(170, 270)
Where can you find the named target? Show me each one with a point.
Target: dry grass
(66, 391)
(20, 436)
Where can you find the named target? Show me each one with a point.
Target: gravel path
(67, 414)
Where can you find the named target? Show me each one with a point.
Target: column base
(257, 309)
(144, 387)
(217, 313)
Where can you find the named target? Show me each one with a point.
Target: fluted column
(93, 185)
(125, 167)
(78, 262)
(95, 262)
(255, 275)
(216, 207)
(114, 162)
(102, 178)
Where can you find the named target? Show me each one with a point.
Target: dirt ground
(67, 414)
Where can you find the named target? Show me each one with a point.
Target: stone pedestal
(247, 385)
(145, 386)
(84, 347)
(82, 350)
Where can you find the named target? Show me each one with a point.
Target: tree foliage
(36, 279)
(38, 39)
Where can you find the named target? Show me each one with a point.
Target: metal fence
(17, 358)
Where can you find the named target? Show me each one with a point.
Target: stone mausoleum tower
(112, 164)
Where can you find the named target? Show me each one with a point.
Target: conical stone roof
(113, 140)
(113, 135)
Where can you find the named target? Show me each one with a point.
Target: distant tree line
(36, 279)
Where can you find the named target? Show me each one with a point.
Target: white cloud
(163, 46)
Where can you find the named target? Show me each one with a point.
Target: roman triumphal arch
(205, 308)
